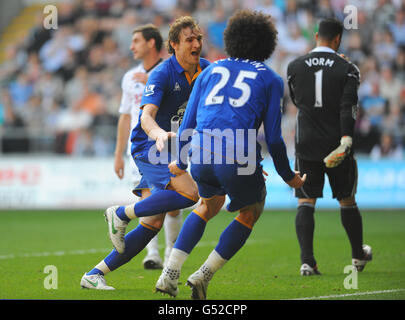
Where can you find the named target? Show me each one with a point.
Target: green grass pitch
(266, 268)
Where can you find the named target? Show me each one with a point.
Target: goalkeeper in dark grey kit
(323, 85)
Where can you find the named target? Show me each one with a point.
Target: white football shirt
(131, 97)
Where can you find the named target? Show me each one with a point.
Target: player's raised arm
(274, 139)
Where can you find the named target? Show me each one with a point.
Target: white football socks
(153, 246)
(102, 266)
(213, 263)
(172, 227)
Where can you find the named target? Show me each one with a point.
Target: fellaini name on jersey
(257, 64)
(320, 62)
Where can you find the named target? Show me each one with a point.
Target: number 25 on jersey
(214, 98)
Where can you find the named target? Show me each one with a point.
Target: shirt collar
(176, 64)
(180, 69)
(323, 49)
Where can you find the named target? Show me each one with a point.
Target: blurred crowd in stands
(61, 89)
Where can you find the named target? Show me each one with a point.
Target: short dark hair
(250, 35)
(176, 27)
(329, 28)
(150, 31)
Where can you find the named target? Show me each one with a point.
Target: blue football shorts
(154, 176)
(137, 190)
(221, 179)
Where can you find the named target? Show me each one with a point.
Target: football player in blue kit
(231, 99)
(165, 96)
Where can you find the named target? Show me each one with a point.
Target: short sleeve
(155, 87)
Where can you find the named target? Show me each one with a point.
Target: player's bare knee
(185, 186)
(155, 222)
(311, 201)
(145, 193)
(250, 214)
(209, 208)
(174, 213)
(204, 211)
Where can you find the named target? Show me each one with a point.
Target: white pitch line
(350, 294)
(90, 251)
(56, 253)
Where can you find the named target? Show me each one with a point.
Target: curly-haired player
(230, 101)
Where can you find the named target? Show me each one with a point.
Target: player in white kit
(146, 45)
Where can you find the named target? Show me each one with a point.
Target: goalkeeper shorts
(342, 179)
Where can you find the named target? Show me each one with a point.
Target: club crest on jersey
(177, 87)
(149, 90)
(178, 118)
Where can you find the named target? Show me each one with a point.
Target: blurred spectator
(54, 52)
(164, 6)
(83, 143)
(33, 68)
(14, 137)
(374, 105)
(386, 149)
(67, 13)
(308, 27)
(268, 7)
(385, 49)
(399, 65)
(21, 91)
(217, 27)
(385, 11)
(122, 33)
(203, 13)
(397, 28)
(394, 123)
(71, 76)
(38, 35)
(325, 10)
(74, 87)
(365, 135)
(95, 60)
(73, 118)
(390, 86)
(291, 12)
(110, 53)
(89, 101)
(34, 116)
(50, 88)
(355, 49)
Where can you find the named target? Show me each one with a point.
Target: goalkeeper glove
(337, 156)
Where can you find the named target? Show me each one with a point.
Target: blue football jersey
(229, 102)
(169, 88)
